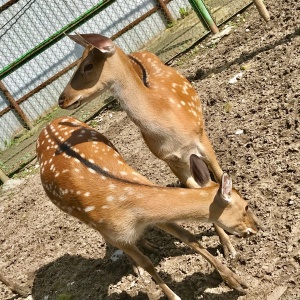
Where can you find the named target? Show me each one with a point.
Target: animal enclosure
(249, 86)
(37, 57)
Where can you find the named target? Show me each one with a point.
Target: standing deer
(159, 100)
(84, 175)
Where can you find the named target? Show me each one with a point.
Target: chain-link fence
(37, 58)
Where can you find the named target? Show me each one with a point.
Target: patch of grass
(228, 107)
(171, 24)
(184, 12)
(93, 123)
(64, 297)
(188, 56)
(3, 167)
(48, 116)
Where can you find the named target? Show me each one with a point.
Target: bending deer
(159, 100)
(84, 175)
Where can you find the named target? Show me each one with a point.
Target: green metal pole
(54, 38)
(203, 13)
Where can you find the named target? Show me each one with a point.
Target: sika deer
(84, 175)
(159, 100)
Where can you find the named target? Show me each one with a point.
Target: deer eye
(88, 67)
(246, 208)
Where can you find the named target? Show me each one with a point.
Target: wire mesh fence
(37, 57)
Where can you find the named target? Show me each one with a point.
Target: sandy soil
(253, 123)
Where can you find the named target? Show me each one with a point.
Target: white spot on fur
(129, 190)
(112, 186)
(89, 208)
(110, 198)
(91, 171)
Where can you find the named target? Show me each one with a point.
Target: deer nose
(250, 232)
(61, 100)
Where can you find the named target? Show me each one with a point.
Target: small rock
(116, 255)
(12, 183)
(236, 77)
(239, 131)
(218, 36)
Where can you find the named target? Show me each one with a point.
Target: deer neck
(157, 204)
(129, 88)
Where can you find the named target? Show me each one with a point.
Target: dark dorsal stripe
(63, 147)
(144, 72)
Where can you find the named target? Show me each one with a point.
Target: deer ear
(199, 170)
(101, 42)
(225, 187)
(77, 38)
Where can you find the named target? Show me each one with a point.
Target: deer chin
(74, 105)
(67, 103)
(239, 233)
(248, 232)
(85, 99)
(78, 101)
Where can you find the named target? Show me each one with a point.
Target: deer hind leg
(228, 248)
(148, 245)
(183, 173)
(189, 239)
(182, 170)
(143, 261)
(207, 152)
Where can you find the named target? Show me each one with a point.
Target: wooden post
(3, 177)
(262, 9)
(15, 105)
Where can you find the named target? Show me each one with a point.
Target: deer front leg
(228, 249)
(228, 276)
(143, 261)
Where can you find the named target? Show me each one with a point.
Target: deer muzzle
(67, 103)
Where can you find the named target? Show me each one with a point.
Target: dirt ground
(249, 83)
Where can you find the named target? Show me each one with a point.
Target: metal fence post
(166, 11)
(203, 14)
(26, 122)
